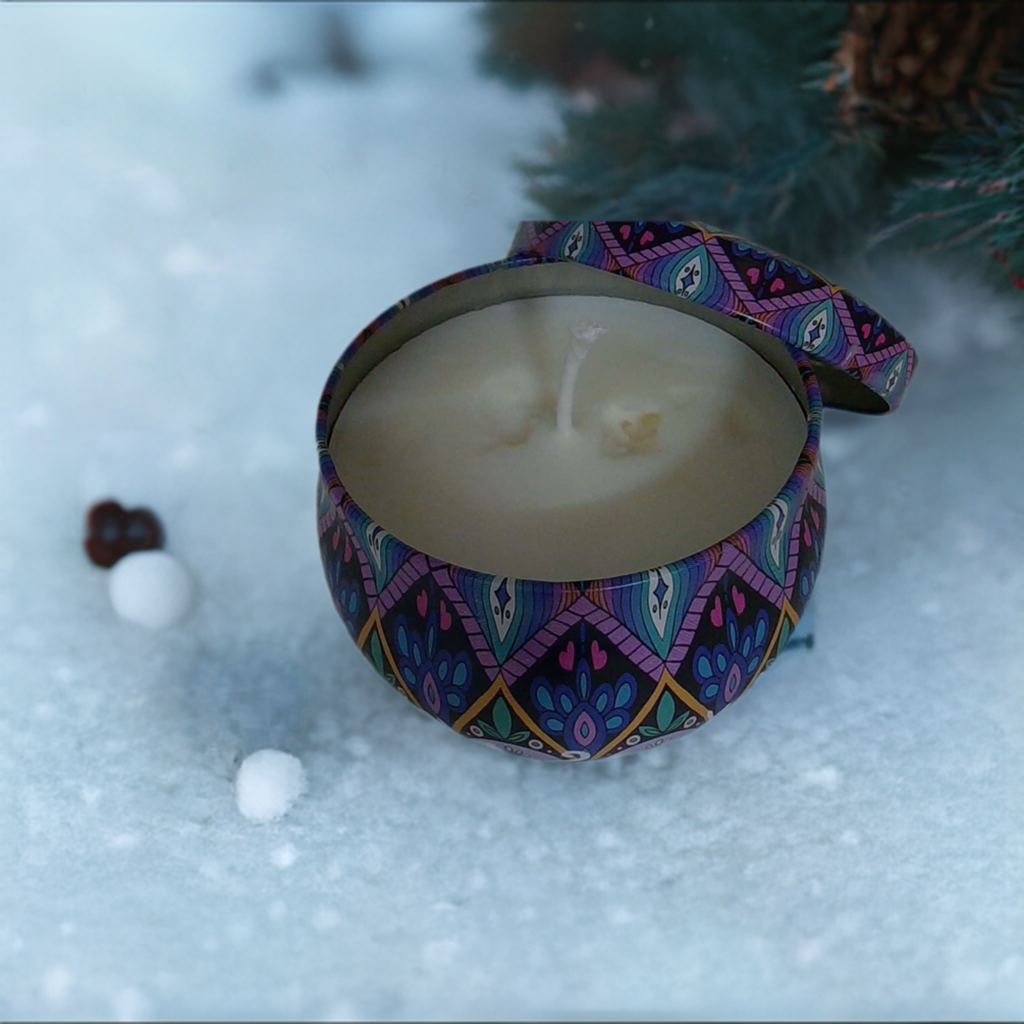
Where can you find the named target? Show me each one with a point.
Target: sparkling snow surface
(182, 261)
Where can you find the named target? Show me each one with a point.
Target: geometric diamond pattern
(578, 671)
(742, 280)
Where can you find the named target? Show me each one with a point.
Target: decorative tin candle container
(582, 670)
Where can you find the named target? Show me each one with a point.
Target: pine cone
(923, 65)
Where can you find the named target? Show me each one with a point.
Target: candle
(609, 443)
(568, 437)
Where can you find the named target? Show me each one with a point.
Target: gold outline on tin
(374, 623)
(637, 721)
(500, 687)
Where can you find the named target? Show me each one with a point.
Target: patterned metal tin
(582, 670)
(733, 276)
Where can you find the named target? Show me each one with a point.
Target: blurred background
(201, 206)
(821, 129)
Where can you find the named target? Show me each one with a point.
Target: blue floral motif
(348, 598)
(584, 717)
(725, 671)
(439, 681)
(808, 574)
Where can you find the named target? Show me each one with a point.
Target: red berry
(111, 532)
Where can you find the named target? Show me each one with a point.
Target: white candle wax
(678, 434)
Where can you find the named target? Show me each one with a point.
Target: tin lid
(863, 363)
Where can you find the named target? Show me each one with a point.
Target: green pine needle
(979, 197)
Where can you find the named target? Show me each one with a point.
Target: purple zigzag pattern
(611, 243)
(849, 328)
(610, 256)
(412, 570)
(787, 301)
(475, 635)
(733, 276)
(687, 242)
(883, 354)
(729, 272)
(555, 227)
(369, 583)
(657, 251)
(691, 620)
(627, 642)
(749, 572)
(544, 639)
(794, 551)
(338, 495)
(676, 245)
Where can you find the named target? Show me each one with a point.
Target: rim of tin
(797, 482)
(870, 371)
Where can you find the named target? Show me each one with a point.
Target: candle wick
(584, 335)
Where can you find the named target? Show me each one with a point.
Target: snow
(150, 588)
(183, 260)
(267, 784)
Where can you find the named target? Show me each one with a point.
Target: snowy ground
(182, 261)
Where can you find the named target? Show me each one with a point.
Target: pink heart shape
(568, 657)
(880, 342)
(446, 616)
(716, 613)
(777, 285)
(646, 237)
(597, 656)
(421, 604)
(754, 275)
(624, 231)
(865, 330)
(739, 601)
(348, 550)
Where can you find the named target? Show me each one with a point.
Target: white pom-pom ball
(268, 783)
(151, 588)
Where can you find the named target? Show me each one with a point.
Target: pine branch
(979, 195)
(736, 139)
(733, 114)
